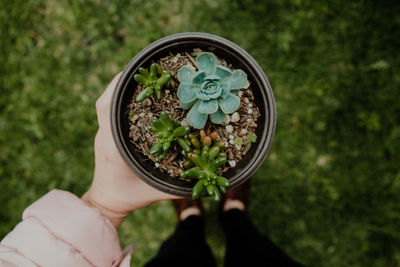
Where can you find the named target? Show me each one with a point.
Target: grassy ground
(328, 193)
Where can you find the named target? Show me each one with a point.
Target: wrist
(116, 218)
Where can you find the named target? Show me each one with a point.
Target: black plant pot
(222, 48)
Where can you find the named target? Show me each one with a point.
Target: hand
(115, 190)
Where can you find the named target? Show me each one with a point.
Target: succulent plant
(208, 159)
(153, 80)
(212, 90)
(168, 131)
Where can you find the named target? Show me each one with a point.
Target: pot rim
(175, 39)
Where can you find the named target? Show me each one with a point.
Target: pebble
(250, 105)
(184, 122)
(246, 100)
(235, 117)
(231, 137)
(243, 132)
(146, 102)
(229, 128)
(135, 118)
(231, 141)
(232, 163)
(157, 164)
(150, 115)
(227, 120)
(240, 94)
(142, 115)
(167, 92)
(249, 111)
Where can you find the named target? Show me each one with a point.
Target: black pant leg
(186, 247)
(245, 246)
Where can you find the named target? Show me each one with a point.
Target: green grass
(328, 193)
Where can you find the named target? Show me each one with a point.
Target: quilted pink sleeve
(61, 230)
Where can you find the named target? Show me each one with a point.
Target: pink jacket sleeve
(61, 230)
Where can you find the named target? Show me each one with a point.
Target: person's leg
(187, 246)
(245, 246)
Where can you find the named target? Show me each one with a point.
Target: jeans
(245, 246)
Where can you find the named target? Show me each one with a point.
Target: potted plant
(193, 114)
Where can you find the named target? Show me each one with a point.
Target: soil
(234, 130)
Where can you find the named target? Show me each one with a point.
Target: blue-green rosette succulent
(212, 90)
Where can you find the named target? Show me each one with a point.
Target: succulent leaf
(195, 118)
(217, 194)
(207, 62)
(229, 104)
(188, 105)
(144, 72)
(225, 89)
(187, 92)
(147, 92)
(238, 79)
(211, 82)
(218, 116)
(186, 74)
(208, 106)
(222, 181)
(199, 78)
(141, 79)
(222, 72)
(198, 189)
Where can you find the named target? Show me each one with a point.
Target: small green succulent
(208, 159)
(168, 131)
(212, 90)
(153, 80)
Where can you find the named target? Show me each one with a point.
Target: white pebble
(150, 115)
(229, 128)
(232, 163)
(227, 120)
(235, 117)
(135, 118)
(249, 120)
(238, 147)
(240, 94)
(249, 111)
(231, 141)
(142, 115)
(167, 92)
(157, 164)
(184, 122)
(246, 100)
(226, 144)
(243, 132)
(146, 102)
(250, 105)
(231, 137)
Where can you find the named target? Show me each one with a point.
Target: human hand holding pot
(115, 189)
